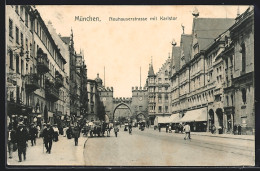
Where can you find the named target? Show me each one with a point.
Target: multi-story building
(39, 73)
(65, 53)
(159, 90)
(21, 74)
(197, 73)
(93, 100)
(74, 78)
(238, 58)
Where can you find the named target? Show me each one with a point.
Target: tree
(100, 110)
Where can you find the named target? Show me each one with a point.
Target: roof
(151, 71)
(186, 41)
(176, 53)
(207, 29)
(66, 39)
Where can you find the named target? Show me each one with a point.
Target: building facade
(39, 72)
(239, 88)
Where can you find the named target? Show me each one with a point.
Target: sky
(125, 48)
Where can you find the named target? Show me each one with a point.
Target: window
(160, 89)
(244, 95)
(166, 109)
(16, 9)
(243, 57)
(227, 101)
(26, 18)
(159, 80)
(17, 64)
(160, 98)
(17, 35)
(11, 59)
(160, 109)
(22, 40)
(166, 73)
(166, 97)
(21, 12)
(22, 67)
(10, 28)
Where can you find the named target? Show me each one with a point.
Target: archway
(219, 113)
(122, 113)
(140, 117)
(211, 118)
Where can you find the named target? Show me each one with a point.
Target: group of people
(18, 137)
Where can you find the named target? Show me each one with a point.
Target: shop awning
(164, 119)
(198, 115)
(174, 118)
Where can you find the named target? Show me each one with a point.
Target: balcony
(42, 63)
(52, 94)
(31, 83)
(229, 109)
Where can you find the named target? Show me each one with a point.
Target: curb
(83, 154)
(224, 137)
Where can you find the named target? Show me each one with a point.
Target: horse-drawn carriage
(98, 128)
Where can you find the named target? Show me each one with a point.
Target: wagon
(95, 129)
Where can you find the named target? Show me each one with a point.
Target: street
(153, 148)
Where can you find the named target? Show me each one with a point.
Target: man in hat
(21, 139)
(33, 134)
(186, 128)
(47, 137)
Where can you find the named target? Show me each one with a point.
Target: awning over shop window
(174, 118)
(197, 115)
(163, 119)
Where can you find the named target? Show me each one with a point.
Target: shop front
(197, 119)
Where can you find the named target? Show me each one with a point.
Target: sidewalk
(232, 136)
(243, 137)
(64, 152)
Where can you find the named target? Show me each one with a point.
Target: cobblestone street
(153, 148)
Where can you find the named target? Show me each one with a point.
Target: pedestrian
(76, 132)
(47, 134)
(130, 128)
(213, 129)
(170, 128)
(116, 130)
(235, 129)
(186, 128)
(167, 127)
(56, 133)
(11, 141)
(64, 131)
(239, 129)
(33, 134)
(38, 131)
(21, 139)
(159, 126)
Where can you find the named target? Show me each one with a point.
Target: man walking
(76, 135)
(21, 139)
(47, 137)
(116, 129)
(10, 140)
(33, 134)
(187, 131)
(130, 128)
